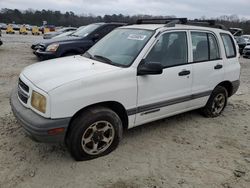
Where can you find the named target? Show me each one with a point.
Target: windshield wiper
(74, 35)
(104, 59)
(88, 55)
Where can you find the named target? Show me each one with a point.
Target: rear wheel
(94, 133)
(216, 103)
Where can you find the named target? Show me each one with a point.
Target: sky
(179, 8)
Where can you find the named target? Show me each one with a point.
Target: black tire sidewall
(81, 123)
(208, 108)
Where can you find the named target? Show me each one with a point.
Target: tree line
(57, 18)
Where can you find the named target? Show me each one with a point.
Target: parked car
(3, 26)
(50, 35)
(246, 52)
(16, 27)
(76, 43)
(23, 30)
(242, 43)
(35, 30)
(0, 37)
(10, 29)
(135, 75)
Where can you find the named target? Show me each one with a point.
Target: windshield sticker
(136, 37)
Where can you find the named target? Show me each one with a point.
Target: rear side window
(229, 45)
(205, 47)
(200, 46)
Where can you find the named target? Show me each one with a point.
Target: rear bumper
(36, 126)
(236, 85)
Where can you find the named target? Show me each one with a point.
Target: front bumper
(36, 126)
(246, 53)
(44, 55)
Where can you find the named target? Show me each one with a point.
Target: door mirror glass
(149, 68)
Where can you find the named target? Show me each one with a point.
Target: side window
(105, 30)
(213, 47)
(229, 45)
(200, 46)
(170, 50)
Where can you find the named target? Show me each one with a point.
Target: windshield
(120, 47)
(64, 34)
(85, 31)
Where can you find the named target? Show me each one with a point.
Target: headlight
(38, 101)
(52, 47)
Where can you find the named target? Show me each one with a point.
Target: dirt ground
(187, 150)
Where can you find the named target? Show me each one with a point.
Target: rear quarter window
(229, 45)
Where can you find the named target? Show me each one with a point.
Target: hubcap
(98, 137)
(218, 104)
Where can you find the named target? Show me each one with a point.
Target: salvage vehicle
(76, 43)
(35, 30)
(135, 75)
(23, 30)
(50, 35)
(0, 37)
(242, 43)
(10, 29)
(246, 52)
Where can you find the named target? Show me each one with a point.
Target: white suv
(135, 75)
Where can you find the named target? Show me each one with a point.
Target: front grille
(40, 47)
(23, 91)
(23, 86)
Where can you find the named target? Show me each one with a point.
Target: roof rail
(161, 20)
(206, 23)
(171, 22)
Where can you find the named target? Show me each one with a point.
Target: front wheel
(94, 133)
(216, 103)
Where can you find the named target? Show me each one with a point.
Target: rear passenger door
(208, 66)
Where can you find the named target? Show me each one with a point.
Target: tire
(216, 103)
(82, 137)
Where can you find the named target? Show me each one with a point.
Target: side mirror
(96, 37)
(149, 68)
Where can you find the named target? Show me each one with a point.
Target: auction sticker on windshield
(136, 37)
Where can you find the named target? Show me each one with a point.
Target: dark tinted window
(200, 46)
(205, 47)
(105, 30)
(229, 45)
(170, 50)
(213, 46)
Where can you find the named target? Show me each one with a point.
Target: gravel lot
(187, 150)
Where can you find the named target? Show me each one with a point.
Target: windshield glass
(85, 31)
(121, 46)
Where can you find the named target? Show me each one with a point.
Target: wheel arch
(113, 105)
(228, 86)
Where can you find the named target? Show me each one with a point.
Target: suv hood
(61, 39)
(51, 74)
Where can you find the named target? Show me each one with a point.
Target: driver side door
(168, 93)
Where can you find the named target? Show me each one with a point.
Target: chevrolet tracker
(136, 74)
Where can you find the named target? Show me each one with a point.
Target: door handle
(184, 73)
(219, 66)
